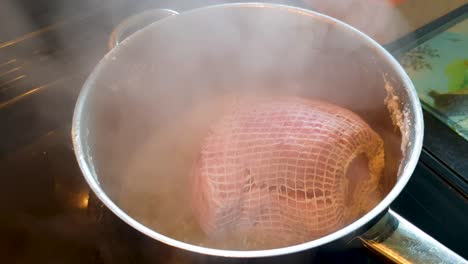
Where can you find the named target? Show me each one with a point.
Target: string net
(275, 169)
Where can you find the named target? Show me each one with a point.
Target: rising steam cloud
(377, 18)
(165, 156)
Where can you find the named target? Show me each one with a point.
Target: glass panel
(439, 70)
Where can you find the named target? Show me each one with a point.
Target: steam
(378, 18)
(153, 105)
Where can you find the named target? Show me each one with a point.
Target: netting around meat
(276, 168)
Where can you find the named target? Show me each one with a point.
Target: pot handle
(136, 22)
(396, 239)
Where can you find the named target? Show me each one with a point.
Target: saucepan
(148, 102)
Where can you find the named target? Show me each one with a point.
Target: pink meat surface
(279, 168)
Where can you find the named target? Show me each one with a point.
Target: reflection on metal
(8, 62)
(71, 193)
(83, 200)
(48, 29)
(27, 94)
(30, 35)
(398, 240)
(136, 22)
(9, 71)
(4, 84)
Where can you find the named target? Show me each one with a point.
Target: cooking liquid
(155, 187)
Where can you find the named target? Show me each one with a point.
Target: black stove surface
(49, 215)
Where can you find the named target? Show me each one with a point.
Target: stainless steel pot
(160, 75)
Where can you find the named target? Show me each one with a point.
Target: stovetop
(49, 215)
